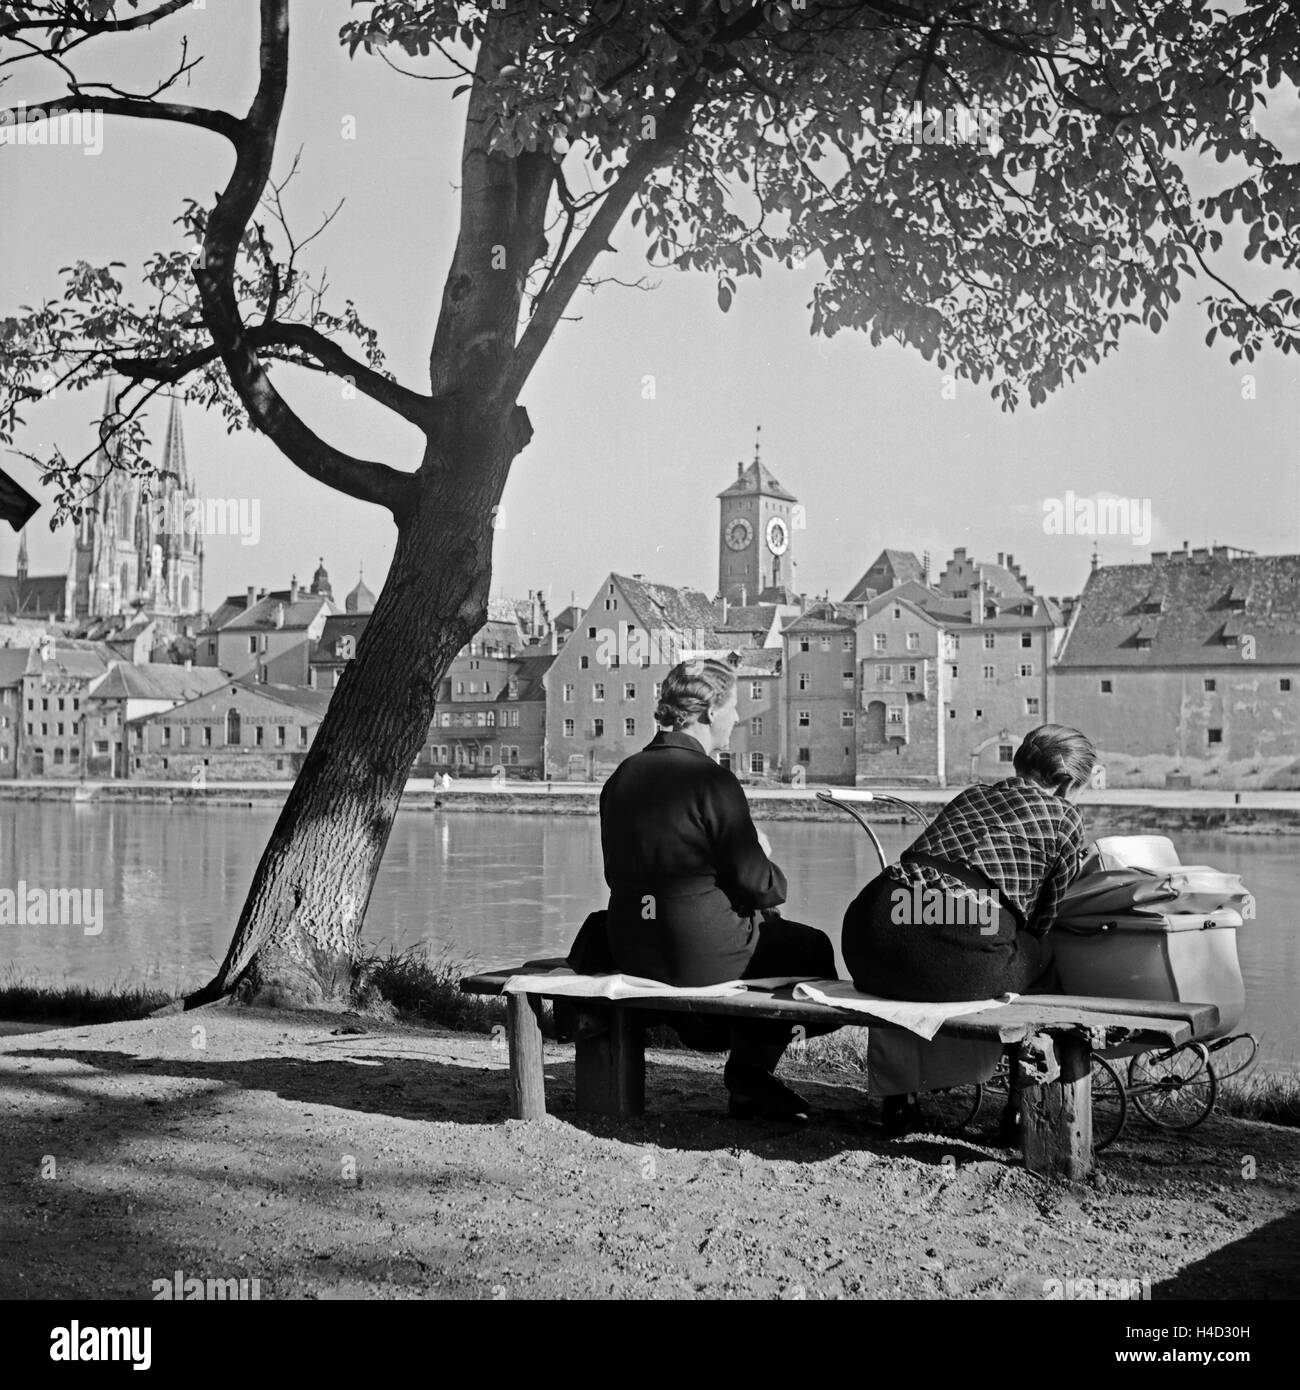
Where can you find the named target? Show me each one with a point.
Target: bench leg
(1056, 1119)
(527, 1063)
(610, 1065)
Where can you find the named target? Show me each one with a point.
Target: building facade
(1186, 671)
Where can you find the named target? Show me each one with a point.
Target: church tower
(132, 552)
(756, 528)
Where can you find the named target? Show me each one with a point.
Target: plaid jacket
(1019, 835)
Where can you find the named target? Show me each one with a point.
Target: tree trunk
(298, 933)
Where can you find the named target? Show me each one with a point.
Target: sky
(644, 402)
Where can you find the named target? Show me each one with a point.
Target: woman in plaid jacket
(966, 911)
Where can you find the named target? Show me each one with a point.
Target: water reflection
(489, 887)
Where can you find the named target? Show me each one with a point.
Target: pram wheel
(1175, 1089)
(950, 1112)
(1109, 1104)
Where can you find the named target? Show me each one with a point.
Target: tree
(998, 184)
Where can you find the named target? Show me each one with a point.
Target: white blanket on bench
(563, 981)
(923, 1019)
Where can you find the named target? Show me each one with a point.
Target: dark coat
(686, 874)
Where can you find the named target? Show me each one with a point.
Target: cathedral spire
(173, 459)
(22, 557)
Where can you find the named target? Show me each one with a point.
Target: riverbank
(1122, 811)
(328, 1162)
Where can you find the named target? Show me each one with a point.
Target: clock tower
(756, 528)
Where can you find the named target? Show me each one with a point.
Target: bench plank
(1056, 1119)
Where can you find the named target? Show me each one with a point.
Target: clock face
(739, 533)
(778, 537)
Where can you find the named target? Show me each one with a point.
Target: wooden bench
(1055, 1036)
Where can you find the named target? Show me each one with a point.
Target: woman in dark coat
(965, 912)
(691, 884)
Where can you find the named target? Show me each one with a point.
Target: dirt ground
(338, 1164)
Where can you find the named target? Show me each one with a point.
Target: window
(207, 736)
(281, 734)
(487, 752)
(598, 728)
(990, 641)
(1026, 639)
(910, 674)
(913, 641)
(584, 663)
(990, 673)
(460, 687)
(629, 690)
(804, 756)
(846, 679)
(846, 642)
(756, 763)
(611, 605)
(45, 730)
(1006, 753)
(568, 728)
(1214, 735)
(655, 691)
(60, 702)
(884, 675)
(591, 632)
(185, 737)
(614, 663)
(232, 726)
(60, 728)
(1284, 685)
(304, 733)
(894, 715)
(756, 726)
(826, 644)
(1210, 685)
(1031, 704)
(805, 680)
(805, 719)
(898, 614)
(952, 714)
(1026, 668)
(101, 747)
(756, 690)
(805, 644)
(252, 646)
(629, 728)
(952, 670)
(846, 719)
(259, 735)
(878, 641)
(1108, 687)
(979, 714)
(568, 692)
(58, 755)
(445, 720)
(167, 736)
(45, 704)
(598, 691)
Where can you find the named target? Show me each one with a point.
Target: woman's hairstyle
(693, 690)
(1060, 757)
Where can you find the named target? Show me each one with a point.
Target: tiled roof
(261, 616)
(757, 479)
(156, 681)
(663, 606)
(1203, 615)
(758, 661)
(73, 658)
(13, 664)
(336, 625)
(530, 671)
(300, 697)
(891, 568)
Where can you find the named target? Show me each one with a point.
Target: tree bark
(297, 935)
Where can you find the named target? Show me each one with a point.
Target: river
(486, 888)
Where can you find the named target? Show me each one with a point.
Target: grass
(1271, 1096)
(27, 999)
(420, 987)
